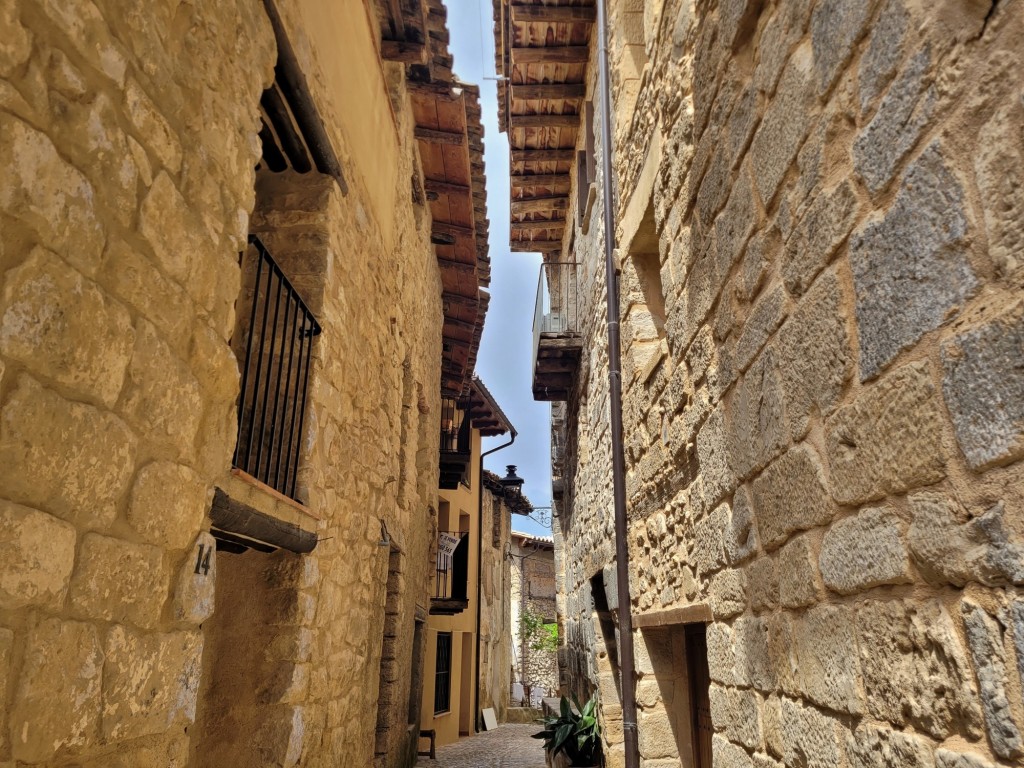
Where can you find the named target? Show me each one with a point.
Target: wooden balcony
(557, 336)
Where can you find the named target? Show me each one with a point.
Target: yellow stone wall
(128, 143)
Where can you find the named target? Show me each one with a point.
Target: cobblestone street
(510, 746)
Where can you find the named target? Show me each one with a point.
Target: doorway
(466, 685)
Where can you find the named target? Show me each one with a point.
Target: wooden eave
(403, 30)
(541, 50)
(449, 134)
(485, 412)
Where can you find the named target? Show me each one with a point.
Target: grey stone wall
(823, 426)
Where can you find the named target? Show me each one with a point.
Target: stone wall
(495, 605)
(820, 225)
(533, 590)
(128, 139)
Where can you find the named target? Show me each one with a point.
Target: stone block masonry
(828, 456)
(129, 142)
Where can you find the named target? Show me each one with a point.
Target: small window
(275, 346)
(586, 167)
(443, 674)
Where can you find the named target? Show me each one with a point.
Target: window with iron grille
(443, 673)
(276, 356)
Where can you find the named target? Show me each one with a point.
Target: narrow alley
(509, 746)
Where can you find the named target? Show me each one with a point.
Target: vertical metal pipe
(626, 660)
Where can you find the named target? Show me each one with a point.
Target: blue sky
(504, 361)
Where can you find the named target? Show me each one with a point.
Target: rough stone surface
(728, 593)
(916, 670)
(809, 737)
(168, 502)
(741, 539)
(945, 758)
(150, 682)
(118, 581)
(835, 26)
(57, 703)
(827, 652)
(791, 496)
(950, 546)
(983, 384)
(887, 440)
(815, 342)
(63, 327)
(902, 116)
(871, 747)
(817, 236)
(763, 584)
(799, 582)
(65, 457)
(910, 267)
(882, 57)
(194, 591)
(999, 169)
(864, 551)
(784, 125)
(37, 553)
(985, 638)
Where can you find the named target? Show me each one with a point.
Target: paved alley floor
(509, 746)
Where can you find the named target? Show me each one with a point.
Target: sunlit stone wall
(821, 221)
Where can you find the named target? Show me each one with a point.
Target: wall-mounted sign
(446, 544)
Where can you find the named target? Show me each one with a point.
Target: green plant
(537, 635)
(577, 733)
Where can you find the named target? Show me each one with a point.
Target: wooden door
(700, 702)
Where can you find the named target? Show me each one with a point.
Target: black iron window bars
(451, 569)
(443, 673)
(275, 374)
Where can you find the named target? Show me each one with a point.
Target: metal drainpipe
(625, 646)
(479, 575)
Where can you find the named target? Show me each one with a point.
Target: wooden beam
(667, 617)
(533, 205)
(464, 301)
(554, 14)
(535, 246)
(539, 180)
(440, 137)
(543, 155)
(557, 54)
(462, 325)
(405, 52)
(549, 91)
(446, 188)
(533, 226)
(444, 228)
(544, 121)
(456, 266)
(436, 90)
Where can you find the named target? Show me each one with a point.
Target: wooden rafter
(549, 91)
(560, 54)
(440, 137)
(533, 205)
(544, 121)
(543, 155)
(538, 246)
(553, 14)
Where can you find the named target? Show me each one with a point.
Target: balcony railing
(557, 309)
(456, 444)
(451, 574)
(557, 337)
(455, 428)
(276, 361)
